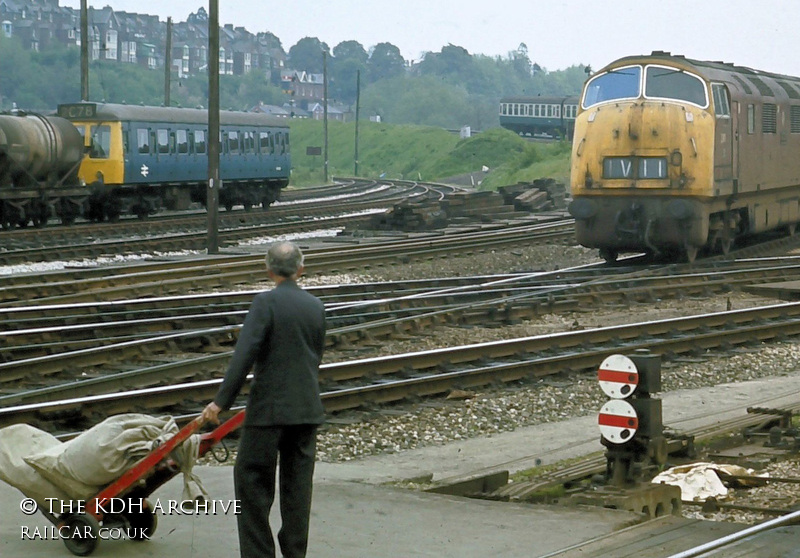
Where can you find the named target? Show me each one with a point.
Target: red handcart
(80, 531)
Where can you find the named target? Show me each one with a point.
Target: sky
(758, 34)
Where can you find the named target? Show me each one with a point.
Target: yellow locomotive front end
(643, 160)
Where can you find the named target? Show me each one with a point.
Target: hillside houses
(132, 38)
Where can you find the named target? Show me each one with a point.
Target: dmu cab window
(621, 83)
(100, 142)
(671, 83)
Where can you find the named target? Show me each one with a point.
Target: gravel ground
(495, 410)
(353, 435)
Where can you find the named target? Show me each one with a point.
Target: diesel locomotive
(537, 116)
(100, 161)
(677, 156)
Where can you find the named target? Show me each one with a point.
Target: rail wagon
(678, 156)
(140, 159)
(39, 161)
(552, 116)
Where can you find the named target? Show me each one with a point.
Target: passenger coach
(536, 116)
(142, 158)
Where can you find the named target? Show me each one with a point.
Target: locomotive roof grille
(762, 87)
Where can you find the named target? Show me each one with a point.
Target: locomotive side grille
(769, 118)
(794, 114)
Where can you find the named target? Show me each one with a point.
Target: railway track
(348, 203)
(386, 379)
(197, 322)
(223, 272)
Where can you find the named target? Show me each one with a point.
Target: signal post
(632, 432)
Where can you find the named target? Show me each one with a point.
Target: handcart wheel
(143, 523)
(81, 532)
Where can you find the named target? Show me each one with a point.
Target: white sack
(16, 442)
(89, 462)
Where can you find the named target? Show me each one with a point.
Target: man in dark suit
(282, 340)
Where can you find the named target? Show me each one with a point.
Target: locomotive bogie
(672, 155)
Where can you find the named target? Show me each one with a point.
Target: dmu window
(162, 140)
(199, 141)
(142, 141)
(183, 142)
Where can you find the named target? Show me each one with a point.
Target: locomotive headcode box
(78, 110)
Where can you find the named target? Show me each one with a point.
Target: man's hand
(211, 413)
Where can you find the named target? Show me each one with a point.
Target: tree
(348, 58)
(350, 50)
(306, 55)
(385, 62)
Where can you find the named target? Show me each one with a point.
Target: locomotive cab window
(678, 85)
(614, 85)
(100, 142)
(721, 104)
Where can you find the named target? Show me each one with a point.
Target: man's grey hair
(284, 259)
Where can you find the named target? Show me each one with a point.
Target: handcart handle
(210, 439)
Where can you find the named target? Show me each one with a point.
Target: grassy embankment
(421, 152)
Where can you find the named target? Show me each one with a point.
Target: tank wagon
(537, 116)
(39, 161)
(140, 159)
(676, 156)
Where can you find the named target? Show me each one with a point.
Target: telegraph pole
(325, 109)
(214, 182)
(358, 101)
(168, 63)
(84, 51)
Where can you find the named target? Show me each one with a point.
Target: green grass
(422, 153)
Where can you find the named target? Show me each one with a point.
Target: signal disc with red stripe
(618, 421)
(618, 376)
